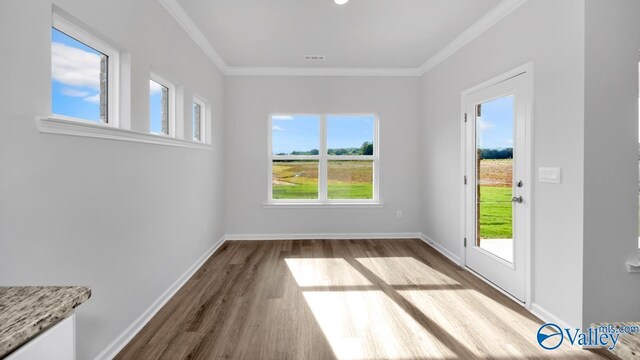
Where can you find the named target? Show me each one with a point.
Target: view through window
(158, 108)
(197, 118)
(323, 157)
(494, 164)
(78, 79)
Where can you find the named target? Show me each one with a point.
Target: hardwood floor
(339, 299)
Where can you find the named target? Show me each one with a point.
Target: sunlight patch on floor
(482, 335)
(419, 313)
(378, 330)
(405, 271)
(325, 272)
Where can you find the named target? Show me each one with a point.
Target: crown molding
(483, 24)
(320, 71)
(184, 20)
(492, 17)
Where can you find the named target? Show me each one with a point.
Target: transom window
(198, 119)
(161, 106)
(85, 93)
(323, 158)
(84, 73)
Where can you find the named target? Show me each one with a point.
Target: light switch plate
(549, 175)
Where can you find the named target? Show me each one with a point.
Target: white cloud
(94, 99)
(74, 92)
(484, 125)
(282, 117)
(510, 141)
(277, 128)
(75, 67)
(85, 95)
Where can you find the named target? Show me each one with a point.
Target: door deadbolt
(519, 183)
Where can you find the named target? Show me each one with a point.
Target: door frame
(526, 70)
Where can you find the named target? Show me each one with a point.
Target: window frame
(323, 163)
(638, 250)
(171, 89)
(86, 37)
(203, 118)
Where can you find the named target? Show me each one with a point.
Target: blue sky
(75, 83)
(302, 132)
(349, 131)
(155, 107)
(495, 126)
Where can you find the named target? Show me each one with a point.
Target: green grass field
(299, 180)
(495, 212)
(495, 199)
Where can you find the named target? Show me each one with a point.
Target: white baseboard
(123, 339)
(547, 316)
(441, 249)
(328, 236)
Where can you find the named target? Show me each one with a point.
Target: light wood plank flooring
(339, 299)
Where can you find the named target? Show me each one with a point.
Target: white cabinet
(55, 343)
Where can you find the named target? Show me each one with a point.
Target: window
(198, 120)
(85, 95)
(323, 158)
(84, 74)
(161, 106)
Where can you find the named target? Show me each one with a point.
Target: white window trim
(204, 111)
(68, 126)
(172, 105)
(323, 160)
(113, 80)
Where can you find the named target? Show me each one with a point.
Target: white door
(496, 183)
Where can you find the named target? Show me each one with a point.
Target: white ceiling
(361, 34)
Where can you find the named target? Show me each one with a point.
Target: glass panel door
(496, 188)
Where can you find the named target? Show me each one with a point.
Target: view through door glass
(494, 164)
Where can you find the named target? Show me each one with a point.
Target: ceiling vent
(314, 57)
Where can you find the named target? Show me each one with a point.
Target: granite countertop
(27, 311)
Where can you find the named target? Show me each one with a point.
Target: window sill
(302, 205)
(61, 126)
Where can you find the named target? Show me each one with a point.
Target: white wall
(611, 160)
(124, 218)
(550, 34)
(250, 100)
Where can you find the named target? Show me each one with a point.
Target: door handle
(517, 199)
